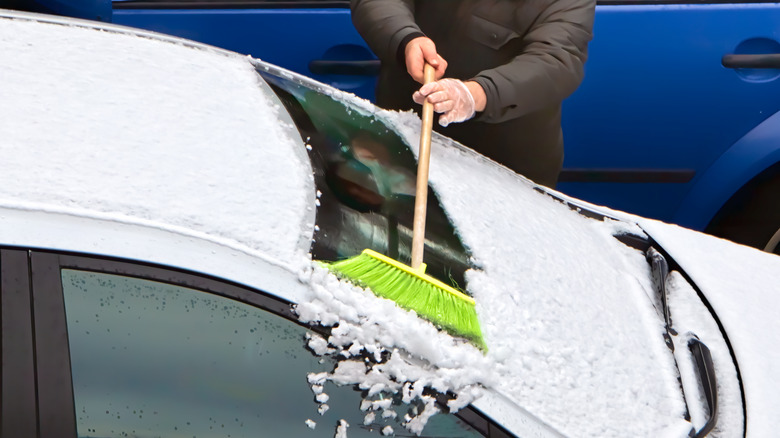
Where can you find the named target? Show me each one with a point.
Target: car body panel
(752, 154)
(99, 10)
(150, 243)
(241, 30)
(657, 99)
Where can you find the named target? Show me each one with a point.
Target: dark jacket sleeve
(550, 67)
(385, 25)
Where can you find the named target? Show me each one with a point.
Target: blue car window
(154, 359)
(217, 4)
(366, 177)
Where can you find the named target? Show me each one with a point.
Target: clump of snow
(341, 429)
(387, 430)
(311, 424)
(416, 423)
(317, 378)
(318, 344)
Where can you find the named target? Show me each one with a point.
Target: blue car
(677, 118)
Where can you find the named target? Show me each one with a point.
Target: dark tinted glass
(366, 174)
(151, 359)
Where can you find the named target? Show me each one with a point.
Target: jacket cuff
(401, 50)
(490, 98)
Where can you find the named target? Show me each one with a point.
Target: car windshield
(552, 285)
(365, 176)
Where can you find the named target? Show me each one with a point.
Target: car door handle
(767, 60)
(368, 67)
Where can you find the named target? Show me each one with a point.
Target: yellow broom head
(412, 289)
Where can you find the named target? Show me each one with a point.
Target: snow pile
(341, 429)
(388, 351)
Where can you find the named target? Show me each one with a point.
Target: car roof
(133, 132)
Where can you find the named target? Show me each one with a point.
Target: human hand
(453, 98)
(419, 51)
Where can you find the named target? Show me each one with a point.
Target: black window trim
(56, 410)
(47, 329)
(19, 415)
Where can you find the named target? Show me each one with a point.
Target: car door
(109, 348)
(312, 37)
(669, 88)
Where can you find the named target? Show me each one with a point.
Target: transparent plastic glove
(450, 97)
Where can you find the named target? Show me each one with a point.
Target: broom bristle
(425, 295)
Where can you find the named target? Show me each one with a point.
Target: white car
(162, 207)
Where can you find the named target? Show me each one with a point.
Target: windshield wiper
(660, 270)
(699, 351)
(706, 370)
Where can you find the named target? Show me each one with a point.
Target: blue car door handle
(766, 60)
(368, 67)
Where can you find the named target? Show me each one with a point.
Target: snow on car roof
(137, 129)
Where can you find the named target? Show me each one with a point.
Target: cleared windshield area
(365, 176)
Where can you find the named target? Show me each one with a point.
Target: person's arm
(385, 24)
(389, 29)
(550, 68)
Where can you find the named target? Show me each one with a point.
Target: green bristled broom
(409, 286)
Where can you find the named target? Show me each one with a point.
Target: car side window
(215, 4)
(156, 359)
(232, 2)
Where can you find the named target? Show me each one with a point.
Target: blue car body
(660, 126)
(678, 110)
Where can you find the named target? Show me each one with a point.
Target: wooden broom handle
(423, 162)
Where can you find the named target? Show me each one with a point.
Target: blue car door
(312, 37)
(672, 91)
